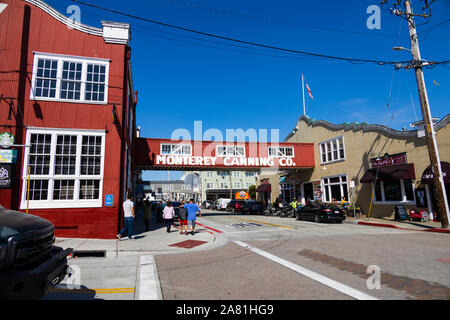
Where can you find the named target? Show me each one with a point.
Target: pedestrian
(192, 210)
(128, 214)
(168, 214)
(147, 214)
(182, 217)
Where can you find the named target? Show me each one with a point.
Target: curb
(386, 225)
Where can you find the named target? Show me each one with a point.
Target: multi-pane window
(38, 189)
(332, 150)
(63, 189)
(394, 191)
(65, 169)
(281, 152)
(335, 188)
(40, 153)
(95, 82)
(230, 151)
(71, 79)
(176, 149)
(89, 189)
(46, 78)
(66, 155)
(91, 155)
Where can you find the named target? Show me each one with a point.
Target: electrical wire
(352, 60)
(274, 21)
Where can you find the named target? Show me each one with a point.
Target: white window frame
(226, 152)
(403, 190)
(279, 153)
(175, 147)
(329, 184)
(61, 58)
(325, 144)
(76, 202)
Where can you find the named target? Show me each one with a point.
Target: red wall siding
(49, 35)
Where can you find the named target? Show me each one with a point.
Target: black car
(235, 205)
(29, 262)
(252, 207)
(321, 212)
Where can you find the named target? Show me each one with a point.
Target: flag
(309, 91)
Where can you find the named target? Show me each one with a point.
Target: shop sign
(242, 195)
(5, 176)
(8, 156)
(6, 140)
(389, 160)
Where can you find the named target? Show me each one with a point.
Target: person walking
(128, 214)
(147, 214)
(192, 210)
(168, 214)
(182, 217)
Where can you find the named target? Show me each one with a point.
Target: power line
(275, 21)
(352, 60)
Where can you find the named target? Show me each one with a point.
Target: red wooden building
(67, 97)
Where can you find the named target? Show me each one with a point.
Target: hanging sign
(6, 140)
(5, 176)
(8, 156)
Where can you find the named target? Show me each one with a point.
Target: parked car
(320, 212)
(29, 262)
(208, 204)
(221, 204)
(252, 207)
(235, 205)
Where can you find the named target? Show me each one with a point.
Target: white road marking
(149, 285)
(310, 274)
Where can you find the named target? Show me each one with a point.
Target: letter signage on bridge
(165, 154)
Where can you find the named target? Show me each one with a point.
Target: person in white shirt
(168, 214)
(128, 214)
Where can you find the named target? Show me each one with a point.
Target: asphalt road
(260, 258)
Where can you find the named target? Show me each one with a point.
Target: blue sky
(181, 80)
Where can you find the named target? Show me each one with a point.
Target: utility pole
(417, 64)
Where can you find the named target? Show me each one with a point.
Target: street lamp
(401, 48)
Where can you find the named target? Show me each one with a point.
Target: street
(252, 257)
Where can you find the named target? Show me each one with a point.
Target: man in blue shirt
(192, 210)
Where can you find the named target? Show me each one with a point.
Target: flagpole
(303, 89)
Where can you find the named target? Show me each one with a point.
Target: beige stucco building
(350, 157)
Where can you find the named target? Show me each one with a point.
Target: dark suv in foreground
(29, 262)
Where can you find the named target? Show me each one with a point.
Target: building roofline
(112, 32)
(365, 127)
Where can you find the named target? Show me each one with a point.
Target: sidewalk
(406, 224)
(155, 241)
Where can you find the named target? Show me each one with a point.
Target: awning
(396, 172)
(264, 188)
(427, 176)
